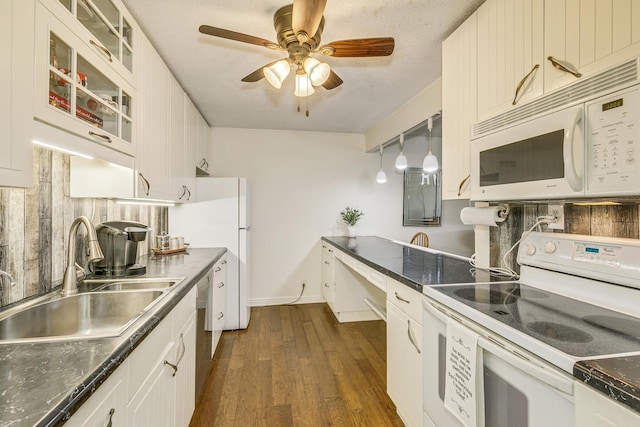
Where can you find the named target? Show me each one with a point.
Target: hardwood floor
(297, 366)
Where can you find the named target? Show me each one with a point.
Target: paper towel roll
(483, 216)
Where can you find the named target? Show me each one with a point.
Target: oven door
(515, 391)
(541, 158)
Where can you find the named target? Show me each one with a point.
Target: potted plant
(351, 217)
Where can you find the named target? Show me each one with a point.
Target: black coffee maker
(119, 243)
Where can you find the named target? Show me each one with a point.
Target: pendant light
(401, 160)
(277, 72)
(318, 71)
(430, 162)
(381, 177)
(303, 87)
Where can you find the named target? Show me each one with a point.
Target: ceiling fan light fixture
(277, 72)
(318, 71)
(303, 84)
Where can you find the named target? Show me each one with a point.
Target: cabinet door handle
(174, 367)
(188, 193)
(326, 285)
(221, 285)
(410, 334)
(184, 191)
(220, 315)
(522, 82)
(146, 183)
(327, 262)
(564, 68)
(331, 251)
(217, 269)
(224, 261)
(99, 135)
(103, 49)
(204, 165)
(111, 412)
(402, 299)
(462, 185)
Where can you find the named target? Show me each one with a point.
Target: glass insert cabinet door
(112, 31)
(422, 198)
(82, 94)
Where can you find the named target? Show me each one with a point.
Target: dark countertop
(43, 383)
(409, 265)
(616, 377)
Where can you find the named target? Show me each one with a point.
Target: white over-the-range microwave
(587, 149)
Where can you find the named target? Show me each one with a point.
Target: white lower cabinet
(404, 352)
(594, 409)
(155, 385)
(219, 294)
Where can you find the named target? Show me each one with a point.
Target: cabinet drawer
(183, 311)
(405, 298)
(378, 279)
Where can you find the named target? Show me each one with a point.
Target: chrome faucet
(70, 282)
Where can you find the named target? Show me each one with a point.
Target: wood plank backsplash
(593, 220)
(35, 222)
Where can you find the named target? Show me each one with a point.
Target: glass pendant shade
(401, 161)
(303, 85)
(277, 72)
(318, 71)
(381, 177)
(430, 163)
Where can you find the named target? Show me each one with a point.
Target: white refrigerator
(220, 218)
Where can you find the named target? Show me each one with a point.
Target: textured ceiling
(210, 69)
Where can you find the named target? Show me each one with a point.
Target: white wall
(300, 181)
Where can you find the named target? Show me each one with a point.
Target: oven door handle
(547, 376)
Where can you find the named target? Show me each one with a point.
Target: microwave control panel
(613, 143)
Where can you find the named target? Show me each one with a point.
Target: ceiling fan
(299, 27)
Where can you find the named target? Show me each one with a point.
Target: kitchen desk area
(603, 387)
(43, 383)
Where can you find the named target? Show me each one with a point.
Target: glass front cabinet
(84, 71)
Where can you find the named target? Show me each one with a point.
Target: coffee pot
(119, 243)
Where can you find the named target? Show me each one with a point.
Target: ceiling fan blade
(257, 74)
(232, 35)
(306, 17)
(377, 46)
(332, 82)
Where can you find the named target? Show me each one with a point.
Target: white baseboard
(260, 302)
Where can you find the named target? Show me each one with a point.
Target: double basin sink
(101, 308)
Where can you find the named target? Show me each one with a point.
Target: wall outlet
(558, 212)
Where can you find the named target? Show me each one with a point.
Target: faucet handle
(81, 273)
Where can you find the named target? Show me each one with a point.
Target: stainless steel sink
(85, 315)
(127, 284)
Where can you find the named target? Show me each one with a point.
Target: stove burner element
(478, 294)
(559, 332)
(621, 325)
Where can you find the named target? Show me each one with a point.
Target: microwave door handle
(546, 376)
(571, 174)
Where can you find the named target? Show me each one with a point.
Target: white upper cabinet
(152, 159)
(77, 87)
(510, 54)
(588, 36)
(16, 77)
(191, 120)
(459, 108)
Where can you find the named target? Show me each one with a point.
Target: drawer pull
(111, 412)
(217, 269)
(330, 250)
(410, 334)
(220, 315)
(562, 67)
(522, 82)
(224, 261)
(327, 262)
(103, 49)
(326, 286)
(99, 135)
(402, 299)
(220, 285)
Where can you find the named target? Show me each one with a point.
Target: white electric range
(578, 298)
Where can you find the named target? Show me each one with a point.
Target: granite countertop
(412, 266)
(617, 377)
(42, 383)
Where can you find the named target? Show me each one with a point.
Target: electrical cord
(299, 296)
(507, 271)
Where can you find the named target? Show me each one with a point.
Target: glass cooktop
(574, 327)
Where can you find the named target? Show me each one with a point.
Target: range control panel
(613, 260)
(613, 143)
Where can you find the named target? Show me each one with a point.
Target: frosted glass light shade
(303, 85)
(430, 163)
(318, 71)
(276, 73)
(401, 161)
(381, 177)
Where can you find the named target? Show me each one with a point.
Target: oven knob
(531, 249)
(550, 247)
